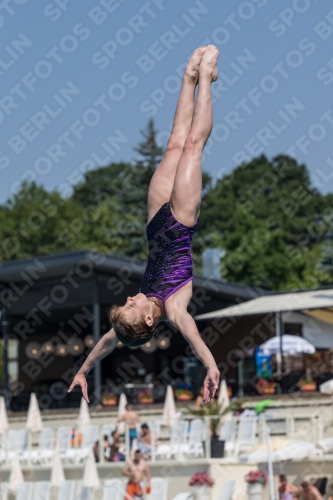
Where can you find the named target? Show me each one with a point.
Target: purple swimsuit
(169, 264)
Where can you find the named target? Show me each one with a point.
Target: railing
(295, 425)
(183, 444)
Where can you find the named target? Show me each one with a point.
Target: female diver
(174, 198)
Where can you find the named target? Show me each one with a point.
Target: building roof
(59, 264)
(305, 301)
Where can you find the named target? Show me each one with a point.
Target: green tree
(150, 153)
(102, 183)
(110, 229)
(34, 222)
(120, 191)
(267, 216)
(276, 228)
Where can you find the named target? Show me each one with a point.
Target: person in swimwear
(308, 492)
(286, 490)
(174, 198)
(131, 418)
(135, 470)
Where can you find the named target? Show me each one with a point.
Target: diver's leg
(186, 193)
(163, 179)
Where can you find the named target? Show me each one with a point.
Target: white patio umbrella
(57, 472)
(290, 344)
(259, 454)
(16, 476)
(297, 450)
(90, 475)
(121, 410)
(3, 417)
(34, 420)
(223, 399)
(84, 416)
(169, 409)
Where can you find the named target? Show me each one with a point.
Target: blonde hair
(130, 334)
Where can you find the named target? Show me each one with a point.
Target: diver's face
(136, 306)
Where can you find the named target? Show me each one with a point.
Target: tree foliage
(119, 192)
(275, 226)
(34, 222)
(270, 221)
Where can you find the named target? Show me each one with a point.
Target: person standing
(131, 418)
(115, 455)
(286, 490)
(145, 442)
(136, 470)
(307, 492)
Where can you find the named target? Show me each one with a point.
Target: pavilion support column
(97, 373)
(4, 327)
(278, 333)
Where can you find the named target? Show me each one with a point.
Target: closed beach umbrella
(84, 416)
(3, 417)
(90, 475)
(57, 472)
(34, 420)
(169, 410)
(121, 410)
(16, 476)
(223, 399)
(290, 344)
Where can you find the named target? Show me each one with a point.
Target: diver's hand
(211, 384)
(80, 379)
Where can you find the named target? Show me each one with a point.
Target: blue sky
(78, 83)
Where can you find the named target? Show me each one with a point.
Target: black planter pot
(216, 448)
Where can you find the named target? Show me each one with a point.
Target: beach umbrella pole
(240, 378)
(153, 443)
(29, 447)
(270, 465)
(101, 447)
(127, 443)
(208, 450)
(278, 333)
(4, 325)
(7, 450)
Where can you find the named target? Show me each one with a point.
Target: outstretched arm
(186, 324)
(104, 347)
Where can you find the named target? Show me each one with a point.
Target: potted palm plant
(213, 409)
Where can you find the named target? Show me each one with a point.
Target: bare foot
(192, 68)
(208, 64)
